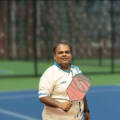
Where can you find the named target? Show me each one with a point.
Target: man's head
(62, 54)
(64, 43)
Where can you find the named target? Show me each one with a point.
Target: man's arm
(86, 109)
(53, 103)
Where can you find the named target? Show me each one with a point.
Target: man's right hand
(65, 105)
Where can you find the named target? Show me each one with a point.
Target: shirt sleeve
(46, 84)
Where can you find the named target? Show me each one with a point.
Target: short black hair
(62, 42)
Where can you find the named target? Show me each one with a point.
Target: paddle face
(78, 87)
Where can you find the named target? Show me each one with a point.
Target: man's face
(63, 55)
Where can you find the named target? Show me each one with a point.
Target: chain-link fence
(29, 28)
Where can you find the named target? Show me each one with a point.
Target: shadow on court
(24, 105)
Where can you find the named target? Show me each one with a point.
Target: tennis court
(28, 31)
(24, 105)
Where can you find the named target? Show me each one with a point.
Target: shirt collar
(56, 64)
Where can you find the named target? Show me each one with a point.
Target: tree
(13, 29)
(29, 37)
(3, 22)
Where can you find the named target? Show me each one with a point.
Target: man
(53, 85)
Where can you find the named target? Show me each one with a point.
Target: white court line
(14, 114)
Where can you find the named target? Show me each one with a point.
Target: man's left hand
(87, 116)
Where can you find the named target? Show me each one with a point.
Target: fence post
(112, 35)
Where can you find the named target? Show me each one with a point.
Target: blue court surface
(103, 101)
